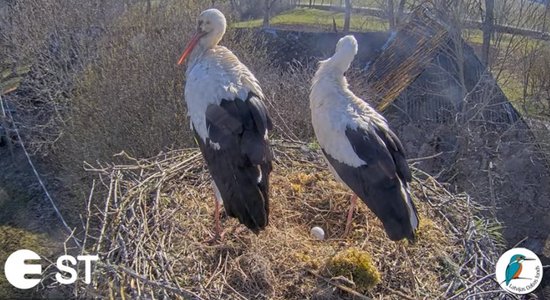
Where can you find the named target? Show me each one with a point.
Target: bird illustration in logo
(514, 267)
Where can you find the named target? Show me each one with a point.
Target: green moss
(428, 230)
(308, 260)
(11, 240)
(356, 265)
(314, 146)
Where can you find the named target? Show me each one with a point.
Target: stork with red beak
(231, 124)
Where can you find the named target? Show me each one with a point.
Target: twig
(483, 293)
(412, 160)
(88, 217)
(106, 212)
(179, 291)
(520, 242)
(343, 288)
(472, 285)
(400, 294)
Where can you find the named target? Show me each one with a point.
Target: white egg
(318, 233)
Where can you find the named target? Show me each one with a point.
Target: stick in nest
(342, 287)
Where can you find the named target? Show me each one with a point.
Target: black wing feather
(222, 124)
(259, 113)
(398, 154)
(378, 182)
(239, 158)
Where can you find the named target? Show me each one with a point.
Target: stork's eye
(207, 22)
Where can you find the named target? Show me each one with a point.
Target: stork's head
(346, 49)
(211, 26)
(347, 46)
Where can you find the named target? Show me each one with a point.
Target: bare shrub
(131, 98)
(56, 38)
(537, 80)
(287, 93)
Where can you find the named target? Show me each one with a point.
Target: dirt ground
(26, 218)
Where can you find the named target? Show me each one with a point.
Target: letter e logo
(15, 269)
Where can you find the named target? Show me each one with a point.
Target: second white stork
(230, 122)
(359, 146)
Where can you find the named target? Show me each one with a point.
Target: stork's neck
(340, 62)
(330, 88)
(330, 75)
(195, 56)
(207, 42)
(199, 54)
(333, 69)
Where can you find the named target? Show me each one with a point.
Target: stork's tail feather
(400, 217)
(250, 201)
(413, 213)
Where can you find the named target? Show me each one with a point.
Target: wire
(36, 174)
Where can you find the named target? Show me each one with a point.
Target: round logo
(17, 270)
(519, 271)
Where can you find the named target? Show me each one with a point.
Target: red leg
(350, 214)
(218, 234)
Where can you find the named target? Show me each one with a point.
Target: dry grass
(154, 216)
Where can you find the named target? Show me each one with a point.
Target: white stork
(230, 122)
(361, 150)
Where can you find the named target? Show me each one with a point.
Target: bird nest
(152, 219)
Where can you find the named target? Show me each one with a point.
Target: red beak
(194, 41)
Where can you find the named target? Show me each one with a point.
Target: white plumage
(215, 75)
(360, 148)
(231, 123)
(334, 107)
